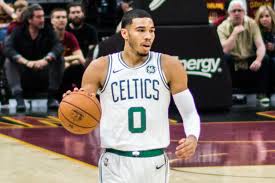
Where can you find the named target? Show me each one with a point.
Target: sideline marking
(46, 151)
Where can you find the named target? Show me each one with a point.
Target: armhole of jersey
(108, 74)
(163, 78)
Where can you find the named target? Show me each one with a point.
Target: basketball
(79, 112)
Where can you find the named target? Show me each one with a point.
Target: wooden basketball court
(37, 149)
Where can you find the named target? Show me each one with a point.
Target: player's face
(140, 35)
(265, 19)
(59, 20)
(38, 19)
(236, 14)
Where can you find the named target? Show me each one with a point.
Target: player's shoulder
(169, 60)
(99, 63)
(171, 66)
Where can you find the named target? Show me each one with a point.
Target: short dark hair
(28, 13)
(130, 15)
(57, 9)
(75, 4)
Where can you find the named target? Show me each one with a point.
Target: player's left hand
(187, 147)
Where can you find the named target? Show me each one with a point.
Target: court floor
(36, 149)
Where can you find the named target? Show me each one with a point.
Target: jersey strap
(163, 78)
(108, 74)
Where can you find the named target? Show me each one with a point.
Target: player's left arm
(177, 79)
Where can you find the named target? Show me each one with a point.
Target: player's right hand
(77, 90)
(69, 91)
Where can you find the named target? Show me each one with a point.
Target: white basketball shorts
(115, 168)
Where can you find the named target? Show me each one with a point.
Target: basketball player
(135, 87)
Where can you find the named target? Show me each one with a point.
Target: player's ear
(124, 33)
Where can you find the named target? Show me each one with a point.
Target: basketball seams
(74, 123)
(90, 117)
(81, 110)
(95, 102)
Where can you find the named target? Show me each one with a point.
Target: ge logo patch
(150, 69)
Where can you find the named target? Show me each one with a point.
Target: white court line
(22, 162)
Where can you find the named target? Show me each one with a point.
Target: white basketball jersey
(135, 105)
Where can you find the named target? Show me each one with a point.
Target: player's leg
(161, 173)
(115, 168)
(146, 170)
(109, 168)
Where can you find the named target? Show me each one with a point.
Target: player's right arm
(95, 75)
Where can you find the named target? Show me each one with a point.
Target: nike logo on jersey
(159, 167)
(115, 71)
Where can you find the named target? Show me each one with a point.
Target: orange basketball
(79, 112)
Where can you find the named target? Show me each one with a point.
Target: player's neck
(132, 59)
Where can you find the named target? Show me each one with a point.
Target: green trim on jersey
(108, 74)
(162, 76)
